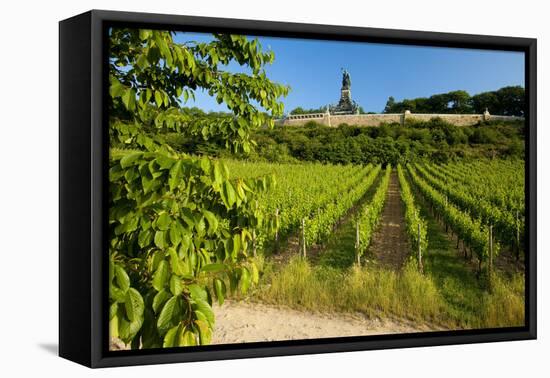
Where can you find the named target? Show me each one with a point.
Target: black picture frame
(83, 154)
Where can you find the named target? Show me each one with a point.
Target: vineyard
(313, 198)
(463, 232)
(460, 262)
(322, 219)
(422, 224)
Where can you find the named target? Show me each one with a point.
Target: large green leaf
(163, 221)
(171, 313)
(212, 221)
(113, 308)
(159, 98)
(128, 329)
(134, 304)
(197, 292)
(160, 278)
(230, 194)
(172, 336)
(205, 332)
(245, 280)
(129, 98)
(122, 279)
(145, 238)
(213, 268)
(176, 285)
(160, 239)
(175, 175)
(220, 289)
(202, 307)
(160, 299)
(130, 159)
(175, 234)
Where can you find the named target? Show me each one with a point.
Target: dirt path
(252, 322)
(389, 244)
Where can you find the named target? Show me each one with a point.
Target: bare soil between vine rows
(389, 244)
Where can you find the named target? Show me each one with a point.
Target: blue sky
(312, 69)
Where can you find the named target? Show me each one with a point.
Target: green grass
(373, 292)
(340, 249)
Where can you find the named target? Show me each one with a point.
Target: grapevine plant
(180, 226)
(417, 227)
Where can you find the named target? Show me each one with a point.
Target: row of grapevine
(321, 223)
(472, 231)
(301, 190)
(368, 216)
(505, 223)
(502, 183)
(498, 182)
(417, 227)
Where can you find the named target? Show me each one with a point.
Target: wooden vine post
(517, 235)
(490, 249)
(304, 238)
(420, 267)
(276, 223)
(357, 244)
(446, 225)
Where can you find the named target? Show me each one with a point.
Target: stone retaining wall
(374, 120)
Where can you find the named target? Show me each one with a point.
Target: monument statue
(346, 79)
(346, 105)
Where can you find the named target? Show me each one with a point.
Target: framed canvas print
(234, 188)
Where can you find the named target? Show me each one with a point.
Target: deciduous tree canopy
(505, 101)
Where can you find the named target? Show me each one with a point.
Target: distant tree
(438, 103)
(421, 105)
(512, 100)
(459, 102)
(390, 105)
(300, 110)
(408, 105)
(485, 100)
(505, 101)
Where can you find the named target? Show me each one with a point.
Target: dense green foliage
(300, 110)
(436, 140)
(181, 226)
(505, 101)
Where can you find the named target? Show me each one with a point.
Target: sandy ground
(250, 322)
